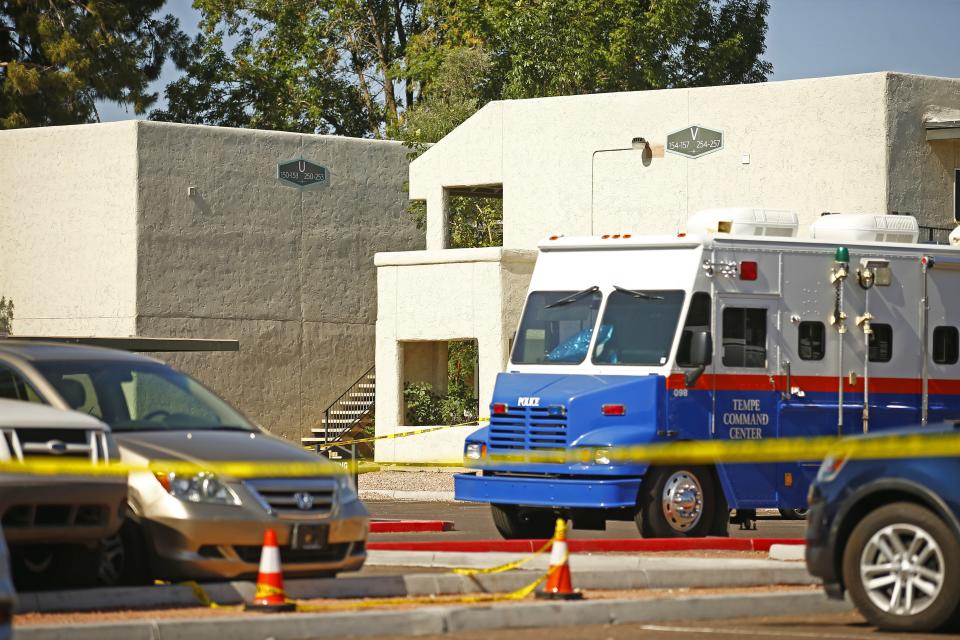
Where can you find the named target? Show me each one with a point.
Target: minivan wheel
(122, 557)
(678, 502)
(517, 523)
(902, 567)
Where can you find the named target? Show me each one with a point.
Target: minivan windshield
(638, 327)
(557, 326)
(140, 396)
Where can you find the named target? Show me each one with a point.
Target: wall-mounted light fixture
(638, 143)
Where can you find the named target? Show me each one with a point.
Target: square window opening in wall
(475, 217)
(946, 345)
(811, 340)
(880, 344)
(744, 337)
(440, 382)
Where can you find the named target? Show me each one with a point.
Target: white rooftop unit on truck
(863, 227)
(743, 221)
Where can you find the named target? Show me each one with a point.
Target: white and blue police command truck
(737, 330)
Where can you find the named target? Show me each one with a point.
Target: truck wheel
(902, 567)
(793, 514)
(678, 502)
(516, 523)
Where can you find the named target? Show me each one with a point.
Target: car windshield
(638, 327)
(557, 327)
(140, 396)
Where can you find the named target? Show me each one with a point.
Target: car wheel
(121, 558)
(902, 567)
(794, 514)
(678, 502)
(516, 523)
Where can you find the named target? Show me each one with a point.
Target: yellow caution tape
(266, 590)
(402, 434)
(510, 566)
(912, 445)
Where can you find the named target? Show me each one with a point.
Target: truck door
(745, 390)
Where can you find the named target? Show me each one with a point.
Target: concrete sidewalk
(446, 619)
(589, 572)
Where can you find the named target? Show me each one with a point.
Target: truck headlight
(601, 456)
(474, 451)
(202, 487)
(345, 489)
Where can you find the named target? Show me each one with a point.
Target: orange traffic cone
(558, 576)
(270, 595)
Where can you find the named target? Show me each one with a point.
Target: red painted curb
(409, 526)
(626, 545)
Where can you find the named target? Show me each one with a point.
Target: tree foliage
(415, 69)
(318, 66)
(6, 316)
(58, 57)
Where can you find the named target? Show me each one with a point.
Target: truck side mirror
(701, 354)
(701, 348)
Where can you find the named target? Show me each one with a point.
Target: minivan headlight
(202, 487)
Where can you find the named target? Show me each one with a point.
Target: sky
(805, 39)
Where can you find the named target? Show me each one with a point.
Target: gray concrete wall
(288, 272)
(68, 247)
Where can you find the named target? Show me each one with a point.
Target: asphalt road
(473, 522)
(820, 627)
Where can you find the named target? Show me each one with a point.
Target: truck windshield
(638, 327)
(140, 396)
(557, 327)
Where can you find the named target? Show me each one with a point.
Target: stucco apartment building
(162, 230)
(642, 162)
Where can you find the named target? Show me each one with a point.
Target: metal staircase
(348, 414)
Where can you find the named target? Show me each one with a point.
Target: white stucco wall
(68, 234)
(443, 295)
(566, 165)
(823, 144)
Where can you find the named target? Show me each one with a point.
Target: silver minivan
(195, 525)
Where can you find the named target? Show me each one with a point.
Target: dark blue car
(889, 533)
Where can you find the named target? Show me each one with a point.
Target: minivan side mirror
(701, 354)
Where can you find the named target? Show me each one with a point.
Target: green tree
(58, 57)
(6, 316)
(560, 47)
(319, 66)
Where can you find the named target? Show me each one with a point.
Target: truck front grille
(528, 428)
(295, 498)
(22, 443)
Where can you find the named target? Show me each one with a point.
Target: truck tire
(516, 523)
(901, 565)
(793, 514)
(679, 502)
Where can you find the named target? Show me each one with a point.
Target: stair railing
(339, 402)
